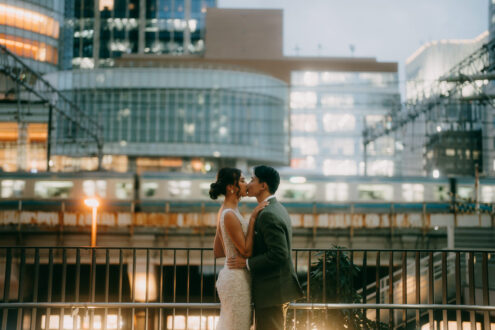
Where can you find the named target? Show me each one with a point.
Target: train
(174, 186)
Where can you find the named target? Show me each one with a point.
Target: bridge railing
(174, 288)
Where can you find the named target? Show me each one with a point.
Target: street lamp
(93, 203)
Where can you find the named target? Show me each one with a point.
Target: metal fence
(174, 288)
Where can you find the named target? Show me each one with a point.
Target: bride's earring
(231, 191)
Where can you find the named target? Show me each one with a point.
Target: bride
(234, 236)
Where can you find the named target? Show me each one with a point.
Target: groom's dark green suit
(274, 280)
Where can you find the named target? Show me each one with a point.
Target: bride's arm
(243, 244)
(218, 246)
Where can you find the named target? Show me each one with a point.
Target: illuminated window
(310, 78)
(339, 167)
(488, 194)
(336, 77)
(95, 188)
(179, 188)
(50, 189)
(304, 123)
(412, 192)
(339, 122)
(28, 20)
(441, 193)
(465, 192)
(381, 167)
(375, 192)
(27, 48)
(302, 100)
(204, 188)
(149, 189)
(303, 192)
(340, 146)
(337, 101)
(13, 188)
(123, 190)
(306, 145)
(338, 191)
(194, 322)
(450, 152)
(303, 163)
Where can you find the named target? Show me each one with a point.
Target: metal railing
(174, 288)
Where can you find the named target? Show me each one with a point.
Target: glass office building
(107, 29)
(328, 112)
(191, 113)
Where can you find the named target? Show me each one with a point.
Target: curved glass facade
(184, 112)
(31, 30)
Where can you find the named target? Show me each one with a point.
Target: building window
(330, 100)
(28, 20)
(306, 145)
(32, 49)
(303, 100)
(381, 167)
(339, 122)
(339, 167)
(304, 192)
(149, 189)
(304, 123)
(179, 188)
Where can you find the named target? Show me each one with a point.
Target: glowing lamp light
(436, 174)
(91, 202)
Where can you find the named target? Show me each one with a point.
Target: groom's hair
(269, 175)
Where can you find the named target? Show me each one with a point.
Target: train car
(171, 186)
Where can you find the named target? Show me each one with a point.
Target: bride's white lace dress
(233, 285)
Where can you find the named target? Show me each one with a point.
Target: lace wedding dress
(233, 285)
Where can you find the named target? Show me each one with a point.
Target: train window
(488, 194)
(413, 192)
(13, 188)
(338, 191)
(465, 192)
(375, 192)
(48, 189)
(301, 192)
(441, 193)
(123, 190)
(149, 189)
(95, 188)
(179, 188)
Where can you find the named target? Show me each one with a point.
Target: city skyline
(414, 24)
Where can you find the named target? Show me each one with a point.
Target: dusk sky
(389, 30)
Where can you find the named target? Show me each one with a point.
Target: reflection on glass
(412, 192)
(298, 191)
(339, 122)
(303, 100)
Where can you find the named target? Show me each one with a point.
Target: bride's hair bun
(214, 190)
(226, 176)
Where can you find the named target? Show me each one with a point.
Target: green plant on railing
(342, 291)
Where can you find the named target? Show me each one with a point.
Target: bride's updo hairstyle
(225, 177)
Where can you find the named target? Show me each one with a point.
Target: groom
(274, 280)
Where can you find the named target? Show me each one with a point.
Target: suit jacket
(274, 280)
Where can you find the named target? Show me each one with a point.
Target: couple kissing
(258, 264)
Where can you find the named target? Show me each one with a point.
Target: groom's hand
(236, 262)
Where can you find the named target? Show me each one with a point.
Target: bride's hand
(258, 209)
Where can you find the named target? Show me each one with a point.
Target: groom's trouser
(271, 318)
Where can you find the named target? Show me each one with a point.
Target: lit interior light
(28, 20)
(436, 174)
